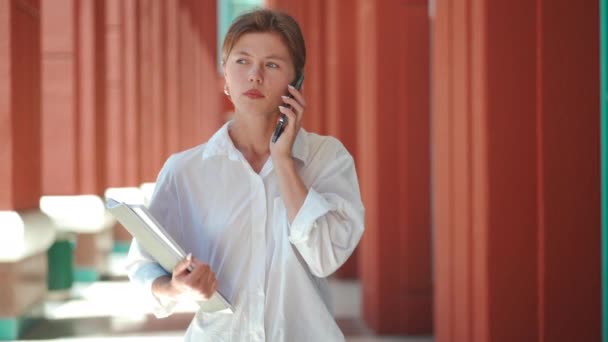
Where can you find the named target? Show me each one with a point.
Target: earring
(226, 90)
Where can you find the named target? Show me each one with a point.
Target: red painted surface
(340, 75)
(131, 83)
(210, 94)
(172, 105)
(156, 116)
(187, 91)
(6, 93)
(20, 155)
(115, 166)
(86, 98)
(570, 173)
(98, 131)
(509, 201)
(393, 130)
(149, 148)
(60, 174)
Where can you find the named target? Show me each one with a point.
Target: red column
(59, 166)
(442, 182)
(75, 159)
(315, 82)
(115, 124)
(131, 84)
(90, 94)
(196, 72)
(20, 94)
(340, 112)
(101, 92)
(186, 95)
(158, 70)
(172, 89)
(149, 147)
(569, 142)
(513, 262)
(393, 146)
(210, 94)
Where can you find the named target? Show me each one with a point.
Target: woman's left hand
(281, 149)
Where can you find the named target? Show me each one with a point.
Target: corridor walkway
(108, 310)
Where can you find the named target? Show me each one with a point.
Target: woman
(265, 221)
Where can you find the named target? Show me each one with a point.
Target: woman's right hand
(198, 284)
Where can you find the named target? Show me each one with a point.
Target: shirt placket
(257, 297)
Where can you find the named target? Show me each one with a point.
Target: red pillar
(569, 185)
(441, 126)
(340, 66)
(172, 89)
(101, 93)
(90, 95)
(187, 92)
(115, 124)
(315, 82)
(512, 259)
(393, 132)
(75, 158)
(157, 115)
(59, 166)
(131, 84)
(196, 72)
(20, 94)
(210, 94)
(149, 148)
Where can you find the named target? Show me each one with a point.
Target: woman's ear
(226, 89)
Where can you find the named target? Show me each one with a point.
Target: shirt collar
(221, 144)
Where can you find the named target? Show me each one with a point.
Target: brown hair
(267, 20)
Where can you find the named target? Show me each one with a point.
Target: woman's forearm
(162, 289)
(292, 188)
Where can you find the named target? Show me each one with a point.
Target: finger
(198, 278)
(297, 107)
(206, 284)
(291, 116)
(182, 266)
(297, 95)
(211, 278)
(209, 282)
(211, 289)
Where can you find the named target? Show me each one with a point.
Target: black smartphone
(283, 119)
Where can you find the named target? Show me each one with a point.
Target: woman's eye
(272, 65)
(240, 61)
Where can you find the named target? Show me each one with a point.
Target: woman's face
(257, 72)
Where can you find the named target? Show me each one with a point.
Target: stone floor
(108, 311)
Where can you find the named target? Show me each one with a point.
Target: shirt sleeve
(329, 225)
(142, 269)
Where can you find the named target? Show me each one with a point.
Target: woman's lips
(253, 94)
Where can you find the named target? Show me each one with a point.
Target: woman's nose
(255, 75)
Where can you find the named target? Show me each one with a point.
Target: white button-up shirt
(273, 273)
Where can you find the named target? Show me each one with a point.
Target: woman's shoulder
(184, 159)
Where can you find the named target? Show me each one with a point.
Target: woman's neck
(251, 135)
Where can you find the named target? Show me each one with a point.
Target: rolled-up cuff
(147, 274)
(314, 207)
